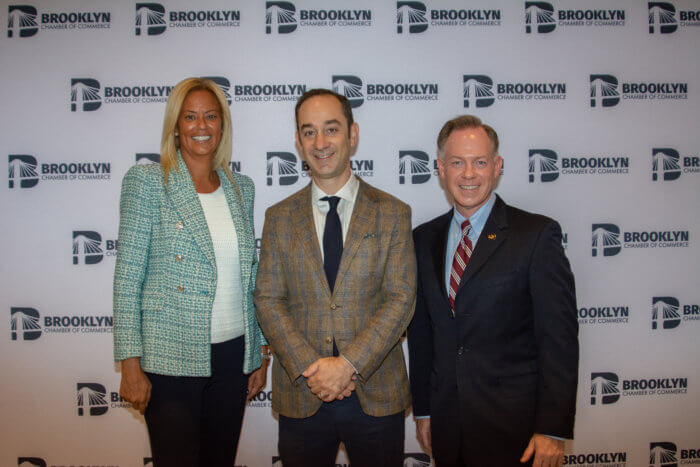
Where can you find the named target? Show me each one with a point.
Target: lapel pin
(492, 236)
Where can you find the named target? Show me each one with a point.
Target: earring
(177, 133)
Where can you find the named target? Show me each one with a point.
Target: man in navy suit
(493, 344)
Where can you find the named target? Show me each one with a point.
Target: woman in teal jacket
(185, 330)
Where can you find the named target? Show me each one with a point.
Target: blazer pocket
(152, 301)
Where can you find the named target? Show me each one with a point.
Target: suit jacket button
(460, 350)
(178, 258)
(334, 306)
(180, 288)
(178, 225)
(329, 340)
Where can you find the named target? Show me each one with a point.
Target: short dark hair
(344, 102)
(462, 122)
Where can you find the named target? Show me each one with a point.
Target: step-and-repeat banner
(596, 102)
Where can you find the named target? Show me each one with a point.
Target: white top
(227, 321)
(320, 208)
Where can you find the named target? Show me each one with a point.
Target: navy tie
(332, 240)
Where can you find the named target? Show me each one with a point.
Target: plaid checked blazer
(162, 306)
(367, 313)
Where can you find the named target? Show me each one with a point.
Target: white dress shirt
(347, 195)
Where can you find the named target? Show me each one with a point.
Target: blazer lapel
(182, 193)
(239, 215)
(363, 215)
(304, 229)
(439, 249)
(494, 233)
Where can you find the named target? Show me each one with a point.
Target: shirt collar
(348, 192)
(478, 219)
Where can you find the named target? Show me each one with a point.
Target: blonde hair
(169, 143)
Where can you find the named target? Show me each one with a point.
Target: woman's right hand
(135, 386)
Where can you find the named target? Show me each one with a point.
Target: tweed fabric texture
(366, 314)
(165, 275)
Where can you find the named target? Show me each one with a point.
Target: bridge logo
(282, 167)
(411, 15)
(662, 18)
(280, 17)
(150, 17)
(604, 388)
(605, 240)
(350, 87)
(414, 167)
(663, 454)
(88, 245)
(21, 21)
(604, 91)
(665, 162)
(22, 171)
(24, 323)
(84, 94)
(540, 16)
(665, 310)
(542, 165)
(478, 91)
(93, 397)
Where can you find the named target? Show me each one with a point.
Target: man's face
(469, 169)
(325, 140)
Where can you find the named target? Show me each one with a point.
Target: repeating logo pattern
(543, 18)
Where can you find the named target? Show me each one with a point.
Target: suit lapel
(182, 193)
(361, 222)
(494, 233)
(304, 228)
(439, 249)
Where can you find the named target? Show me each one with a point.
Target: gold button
(329, 340)
(334, 306)
(179, 225)
(178, 258)
(180, 288)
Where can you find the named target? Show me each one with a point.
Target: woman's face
(199, 124)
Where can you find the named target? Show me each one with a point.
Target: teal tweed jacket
(165, 275)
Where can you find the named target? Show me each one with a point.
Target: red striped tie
(459, 263)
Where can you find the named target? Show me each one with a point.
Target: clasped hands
(330, 378)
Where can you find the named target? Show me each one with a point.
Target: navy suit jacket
(506, 366)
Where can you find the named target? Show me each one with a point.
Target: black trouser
(369, 441)
(196, 421)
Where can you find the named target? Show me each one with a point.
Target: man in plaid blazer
(339, 372)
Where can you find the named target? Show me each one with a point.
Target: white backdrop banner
(596, 102)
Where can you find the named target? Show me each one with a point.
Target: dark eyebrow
(332, 122)
(305, 125)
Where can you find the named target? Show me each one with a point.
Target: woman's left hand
(256, 381)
